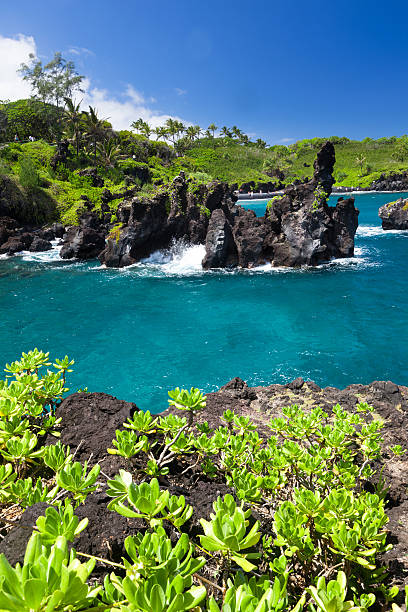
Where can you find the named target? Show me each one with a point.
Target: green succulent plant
(50, 579)
(74, 477)
(60, 522)
(227, 532)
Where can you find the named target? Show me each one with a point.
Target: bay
(138, 332)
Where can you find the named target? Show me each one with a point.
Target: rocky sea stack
(299, 228)
(394, 215)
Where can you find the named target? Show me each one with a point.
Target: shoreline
(265, 196)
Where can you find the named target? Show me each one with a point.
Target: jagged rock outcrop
(298, 228)
(394, 215)
(39, 244)
(61, 155)
(17, 243)
(85, 241)
(152, 224)
(395, 181)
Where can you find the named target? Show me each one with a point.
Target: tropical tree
(145, 129)
(236, 132)
(108, 151)
(137, 125)
(261, 144)
(95, 128)
(30, 118)
(172, 129)
(401, 149)
(180, 128)
(193, 132)
(175, 129)
(142, 127)
(211, 128)
(74, 120)
(276, 164)
(360, 161)
(161, 132)
(53, 82)
(226, 132)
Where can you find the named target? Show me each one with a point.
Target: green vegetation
(31, 129)
(124, 159)
(314, 545)
(358, 164)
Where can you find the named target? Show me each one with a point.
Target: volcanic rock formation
(394, 215)
(298, 228)
(85, 241)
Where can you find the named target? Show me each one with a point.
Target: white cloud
(123, 109)
(80, 51)
(286, 139)
(180, 92)
(120, 109)
(13, 52)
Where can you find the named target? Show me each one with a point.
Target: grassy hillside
(228, 160)
(129, 160)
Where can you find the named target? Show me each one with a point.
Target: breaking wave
(368, 231)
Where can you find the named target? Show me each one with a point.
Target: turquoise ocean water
(136, 333)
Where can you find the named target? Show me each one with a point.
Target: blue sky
(280, 70)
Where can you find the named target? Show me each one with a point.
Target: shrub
(28, 174)
(298, 531)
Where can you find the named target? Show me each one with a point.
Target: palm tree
(226, 132)
(161, 132)
(74, 120)
(108, 152)
(261, 144)
(137, 125)
(197, 131)
(360, 161)
(193, 132)
(172, 128)
(181, 128)
(236, 132)
(95, 128)
(212, 128)
(190, 133)
(145, 129)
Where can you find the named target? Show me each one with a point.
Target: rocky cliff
(394, 215)
(21, 215)
(298, 228)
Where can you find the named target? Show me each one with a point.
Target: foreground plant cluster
(299, 530)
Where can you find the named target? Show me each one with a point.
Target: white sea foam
(43, 256)
(180, 260)
(368, 231)
(50, 256)
(185, 260)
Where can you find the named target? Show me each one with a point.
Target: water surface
(137, 332)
